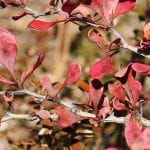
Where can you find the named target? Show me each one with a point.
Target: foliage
(104, 99)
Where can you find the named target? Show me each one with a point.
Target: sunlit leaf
(5, 81)
(8, 50)
(117, 90)
(66, 118)
(42, 25)
(46, 83)
(141, 68)
(73, 74)
(101, 68)
(27, 73)
(95, 93)
(43, 114)
(132, 131)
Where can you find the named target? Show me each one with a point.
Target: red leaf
(117, 104)
(108, 9)
(141, 68)
(117, 90)
(124, 6)
(42, 25)
(6, 81)
(135, 88)
(9, 99)
(106, 109)
(146, 137)
(15, 3)
(122, 71)
(96, 37)
(73, 74)
(70, 5)
(105, 9)
(66, 118)
(8, 50)
(111, 148)
(101, 68)
(95, 93)
(43, 114)
(146, 30)
(23, 1)
(27, 73)
(142, 142)
(46, 83)
(147, 74)
(132, 131)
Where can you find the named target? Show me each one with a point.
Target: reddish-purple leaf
(141, 68)
(96, 37)
(117, 104)
(6, 81)
(15, 3)
(124, 6)
(73, 74)
(27, 73)
(43, 114)
(135, 88)
(146, 137)
(122, 71)
(39, 60)
(132, 131)
(101, 68)
(93, 35)
(95, 93)
(146, 74)
(104, 9)
(9, 99)
(111, 148)
(106, 109)
(67, 118)
(109, 9)
(117, 90)
(8, 50)
(146, 31)
(42, 25)
(70, 5)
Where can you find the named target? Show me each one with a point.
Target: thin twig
(111, 118)
(125, 44)
(10, 116)
(71, 107)
(36, 14)
(122, 120)
(67, 104)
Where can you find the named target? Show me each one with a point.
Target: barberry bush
(91, 92)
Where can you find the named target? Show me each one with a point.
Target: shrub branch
(68, 105)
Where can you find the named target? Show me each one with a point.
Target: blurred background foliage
(65, 44)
